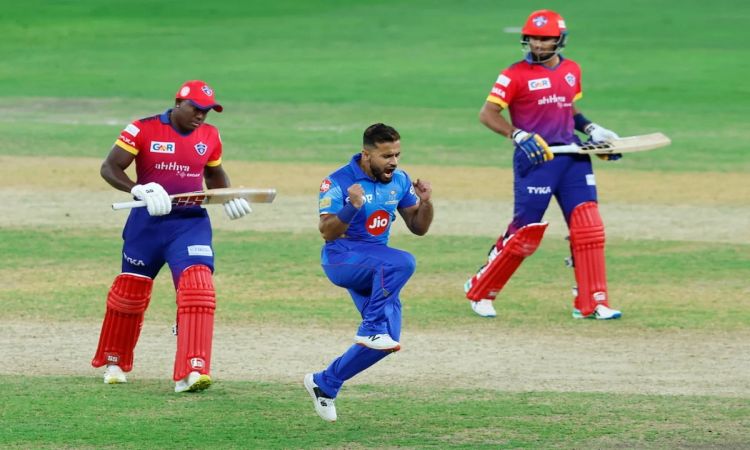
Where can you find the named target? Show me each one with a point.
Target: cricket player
(539, 93)
(174, 152)
(358, 204)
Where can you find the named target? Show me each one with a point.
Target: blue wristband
(580, 122)
(347, 213)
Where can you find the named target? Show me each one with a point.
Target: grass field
(299, 82)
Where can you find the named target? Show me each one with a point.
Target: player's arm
(418, 218)
(216, 177)
(331, 226)
(491, 116)
(113, 168)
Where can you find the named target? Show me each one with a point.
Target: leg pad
(587, 246)
(196, 303)
(491, 278)
(127, 301)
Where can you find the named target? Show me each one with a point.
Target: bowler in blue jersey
(358, 204)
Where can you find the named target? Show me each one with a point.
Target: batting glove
(157, 200)
(237, 207)
(610, 157)
(598, 133)
(533, 145)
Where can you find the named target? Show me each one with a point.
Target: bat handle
(128, 205)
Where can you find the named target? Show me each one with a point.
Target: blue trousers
(181, 239)
(374, 275)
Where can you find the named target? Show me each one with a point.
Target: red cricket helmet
(544, 23)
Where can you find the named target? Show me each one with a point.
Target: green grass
(301, 80)
(65, 274)
(43, 412)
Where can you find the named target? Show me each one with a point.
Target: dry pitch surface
(66, 192)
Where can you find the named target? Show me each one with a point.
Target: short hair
(378, 133)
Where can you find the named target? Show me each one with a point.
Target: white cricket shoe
(378, 342)
(601, 312)
(195, 381)
(324, 406)
(113, 374)
(484, 308)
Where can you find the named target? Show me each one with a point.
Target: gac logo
(378, 222)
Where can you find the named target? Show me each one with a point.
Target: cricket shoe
(194, 382)
(484, 308)
(113, 374)
(378, 342)
(324, 406)
(601, 312)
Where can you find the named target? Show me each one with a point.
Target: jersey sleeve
(331, 198)
(504, 89)
(410, 197)
(578, 88)
(129, 139)
(215, 158)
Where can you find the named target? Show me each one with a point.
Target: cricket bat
(209, 197)
(628, 144)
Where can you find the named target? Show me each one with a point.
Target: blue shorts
(181, 239)
(569, 177)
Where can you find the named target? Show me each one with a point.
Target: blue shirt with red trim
(372, 224)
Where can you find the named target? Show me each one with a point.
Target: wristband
(347, 213)
(580, 122)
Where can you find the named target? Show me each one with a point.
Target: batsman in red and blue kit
(174, 152)
(539, 92)
(358, 204)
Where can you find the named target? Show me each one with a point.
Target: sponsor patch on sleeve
(590, 180)
(502, 80)
(132, 130)
(325, 185)
(200, 250)
(324, 203)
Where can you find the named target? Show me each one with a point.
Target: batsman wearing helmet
(358, 204)
(539, 93)
(174, 152)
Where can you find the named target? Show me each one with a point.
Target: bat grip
(128, 205)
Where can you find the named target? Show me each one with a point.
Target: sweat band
(347, 213)
(580, 122)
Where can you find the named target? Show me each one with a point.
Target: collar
(528, 59)
(164, 118)
(359, 174)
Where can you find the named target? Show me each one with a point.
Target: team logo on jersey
(162, 147)
(207, 90)
(539, 83)
(539, 21)
(378, 222)
(325, 185)
(201, 148)
(570, 79)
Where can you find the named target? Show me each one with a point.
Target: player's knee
(406, 265)
(196, 288)
(586, 226)
(130, 293)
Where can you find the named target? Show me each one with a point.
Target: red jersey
(164, 155)
(540, 99)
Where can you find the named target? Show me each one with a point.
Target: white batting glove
(237, 207)
(600, 134)
(157, 200)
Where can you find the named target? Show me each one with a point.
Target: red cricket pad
(126, 304)
(491, 278)
(196, 303)
(587, 246)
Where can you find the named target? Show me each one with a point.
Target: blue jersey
(372, 224)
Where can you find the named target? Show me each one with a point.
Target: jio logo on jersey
(378, 222)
